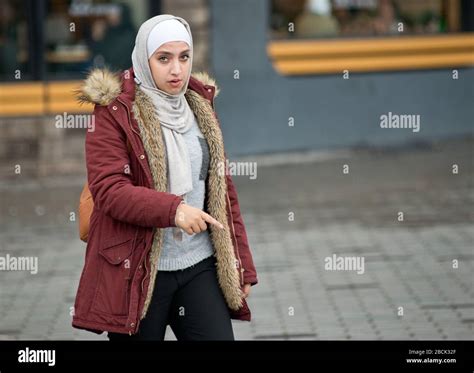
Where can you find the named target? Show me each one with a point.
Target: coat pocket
(113, 287)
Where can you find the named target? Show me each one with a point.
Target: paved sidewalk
(408, 263)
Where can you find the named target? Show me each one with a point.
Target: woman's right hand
(193, 220)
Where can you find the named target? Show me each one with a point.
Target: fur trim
(100, 87)
(103, 86)
(227, 273)
(150, 132)
(206, 79)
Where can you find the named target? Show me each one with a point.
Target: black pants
(190, 301)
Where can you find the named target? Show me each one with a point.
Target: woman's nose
(176, 68)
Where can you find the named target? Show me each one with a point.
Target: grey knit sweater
(192, 248)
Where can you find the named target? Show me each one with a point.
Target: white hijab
(173, 111)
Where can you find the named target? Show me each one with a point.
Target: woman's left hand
(246, 290)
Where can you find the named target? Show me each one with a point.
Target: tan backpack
(86, 205)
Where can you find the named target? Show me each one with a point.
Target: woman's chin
(172, 91)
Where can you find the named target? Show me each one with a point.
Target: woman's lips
(175, 82)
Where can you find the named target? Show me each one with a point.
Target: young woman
(167, 243)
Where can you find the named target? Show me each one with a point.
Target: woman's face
(170, 65)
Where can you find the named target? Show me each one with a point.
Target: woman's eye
(164, 58)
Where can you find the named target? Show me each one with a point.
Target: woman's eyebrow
(170, 54)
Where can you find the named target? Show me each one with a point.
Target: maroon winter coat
(117, 280)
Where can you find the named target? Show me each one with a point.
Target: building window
(61, 39)
(83, 34)
(363, 18)
(13, 40)
(334, 36)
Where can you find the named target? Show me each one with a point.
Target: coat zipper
(146, 268)
(241, 272)
(143, 281)
(133, 130)
(146, 271)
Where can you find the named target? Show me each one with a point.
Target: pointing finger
(211, 220)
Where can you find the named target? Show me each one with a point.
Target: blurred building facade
(295, 75)
(46, 48)
(282, 92)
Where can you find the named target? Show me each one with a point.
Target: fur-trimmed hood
(102, 86)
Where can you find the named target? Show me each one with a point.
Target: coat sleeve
(111, 187)
(250, 273)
